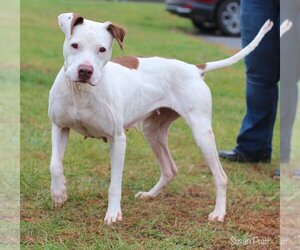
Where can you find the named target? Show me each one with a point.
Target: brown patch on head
(127, 61)
(201, 66)
(77, 19)
(117, 32)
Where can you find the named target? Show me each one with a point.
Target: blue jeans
(289, 76)
(262, 72)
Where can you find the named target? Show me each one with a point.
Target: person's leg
(262, 70)
(255, 136)
(288, 110)
(289, 76)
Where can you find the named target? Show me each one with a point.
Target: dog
(101, 98)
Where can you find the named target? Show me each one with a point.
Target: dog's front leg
(58, 182)
(117, 154)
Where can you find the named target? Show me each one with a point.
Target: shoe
(237, 156)
(297, 174)
(277, 173)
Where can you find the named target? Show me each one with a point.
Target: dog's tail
(241, 54)
(285, 26)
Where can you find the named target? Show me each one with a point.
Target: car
(209, 15)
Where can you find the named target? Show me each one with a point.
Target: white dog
(100, 98)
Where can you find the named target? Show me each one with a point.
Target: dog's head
(87, 47)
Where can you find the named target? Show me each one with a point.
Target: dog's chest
(82, 113)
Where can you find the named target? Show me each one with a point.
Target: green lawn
(289, 193)
(9, 125)
(177, 219)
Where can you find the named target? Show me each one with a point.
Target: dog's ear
(117, 32)
(67, 22)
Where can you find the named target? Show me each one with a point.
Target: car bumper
(192, 9)
(179, 9)
(203, 12)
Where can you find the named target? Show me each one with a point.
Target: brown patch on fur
(127, 61)
(117, 32)
(77, 19)
(201, 66)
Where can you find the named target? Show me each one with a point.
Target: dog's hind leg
(155, 129)
(200, 123)
(196, 111)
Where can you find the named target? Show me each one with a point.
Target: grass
(9, 126)
(177, 219)
(290, 195)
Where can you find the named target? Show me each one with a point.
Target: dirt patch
(170, 215)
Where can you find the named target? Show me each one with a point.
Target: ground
(290, 195)
(9, 125)
(177, 219)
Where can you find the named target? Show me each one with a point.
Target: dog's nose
(85, 72)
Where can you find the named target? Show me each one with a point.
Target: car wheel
(228, 17)
(204, 26)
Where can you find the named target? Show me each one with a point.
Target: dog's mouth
(85, 82)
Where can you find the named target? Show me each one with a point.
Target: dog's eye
(102, 50)
(74, 45)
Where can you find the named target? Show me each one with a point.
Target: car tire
(207, 28)
(228, 17)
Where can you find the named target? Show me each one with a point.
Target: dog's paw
(112, 217)
(216, 216)
(145, 195)
(59, 195)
